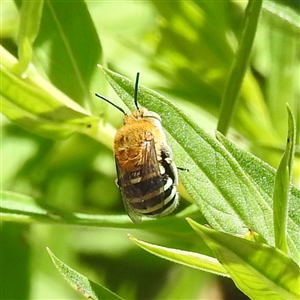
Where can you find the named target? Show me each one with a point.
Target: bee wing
(150, 165)
(139, 183)
(122, 178)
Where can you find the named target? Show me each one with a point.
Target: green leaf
(263, 177)
(38, 106)
(186, 258)
(281, 46)
(30, 18)
(282, 187)
(260, 271)
(60, 52)
(15, 207)
(68, 49)
(227, 195)
(240, 65)
(281, 16)
(189, 37)
(86, 287)
(21, 208)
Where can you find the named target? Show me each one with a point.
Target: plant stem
(239, 66)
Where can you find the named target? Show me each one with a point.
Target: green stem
(239, 66)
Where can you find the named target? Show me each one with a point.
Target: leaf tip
(190, 221)
(130, 237)
(193, 224)
(51, 254)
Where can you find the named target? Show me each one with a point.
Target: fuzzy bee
(147, 175)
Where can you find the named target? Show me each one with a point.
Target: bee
(147, 174)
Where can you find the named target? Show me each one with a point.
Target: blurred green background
(182, 49)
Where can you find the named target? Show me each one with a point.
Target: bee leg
(183, 169)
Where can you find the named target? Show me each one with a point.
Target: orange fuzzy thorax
(131, 139)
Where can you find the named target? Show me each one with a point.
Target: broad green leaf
(186, 258)
(239, 66)
(86, 287)
(229, 198)
(38, 106)
(68, 49)
(282, 187)
(263, 177)
(260, 271)
(15, 207)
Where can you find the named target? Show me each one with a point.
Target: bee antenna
(113, 104)
(136, 90)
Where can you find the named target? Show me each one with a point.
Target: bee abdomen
(154, 196)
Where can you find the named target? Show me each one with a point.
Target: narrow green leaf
(86, 287)
(38, 106)
(239, 67)
(231, 199)
(282, 187)
(22, 208)
(30, 18)
(15, 207)
(260, 271)
(186, 258)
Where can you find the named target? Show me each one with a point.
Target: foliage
(58, 169)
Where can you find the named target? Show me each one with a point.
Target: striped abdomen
(151, 196)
